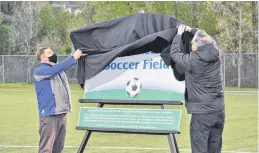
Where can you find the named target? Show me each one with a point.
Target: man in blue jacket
(54, 99)
(204, 96)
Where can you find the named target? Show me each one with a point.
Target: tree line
(26, 25)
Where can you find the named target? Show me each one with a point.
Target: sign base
(171, 137)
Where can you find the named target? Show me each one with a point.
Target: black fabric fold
(126, 36)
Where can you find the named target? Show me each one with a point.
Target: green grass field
(19, 125)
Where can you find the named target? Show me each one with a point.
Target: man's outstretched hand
(77, 54)
(183, 28)
(187, 28)
(180, 29)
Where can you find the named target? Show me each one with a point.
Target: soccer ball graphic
(133, 87)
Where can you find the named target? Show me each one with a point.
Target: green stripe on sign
(145, 94)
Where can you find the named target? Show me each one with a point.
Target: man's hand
(181, 29)
(187, 28)
(77, 54)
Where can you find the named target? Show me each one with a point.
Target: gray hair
(201, 38)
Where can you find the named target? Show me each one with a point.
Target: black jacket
(130, 35)
(203, 77)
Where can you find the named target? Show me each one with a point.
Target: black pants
(206, 132)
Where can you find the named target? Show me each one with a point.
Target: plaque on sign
(130, 120)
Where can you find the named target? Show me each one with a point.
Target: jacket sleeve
(189, 62)
(47, 72)
(177, 56)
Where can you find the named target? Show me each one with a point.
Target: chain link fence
(19, 69)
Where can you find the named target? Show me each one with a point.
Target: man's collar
(45, 64)
(201, 48)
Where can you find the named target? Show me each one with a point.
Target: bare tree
(176, 8)
(149, 6)
(24, 27)
(194, 13)
(255, 24)
(88, 9)
(240, 44)
(234, 32)
(51, 40)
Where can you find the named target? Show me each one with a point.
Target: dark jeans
(52, 133)
(206, 132)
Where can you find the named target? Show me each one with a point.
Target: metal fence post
(224, 70)
(27, 70)
(3, 68)
(27, 79)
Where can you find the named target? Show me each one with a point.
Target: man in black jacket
(204, 94)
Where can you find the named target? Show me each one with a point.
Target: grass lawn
(19, 125)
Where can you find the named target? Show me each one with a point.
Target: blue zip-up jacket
(52, 88)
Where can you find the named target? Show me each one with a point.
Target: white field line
(102, 147)
(251, 91)
(240, 94)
